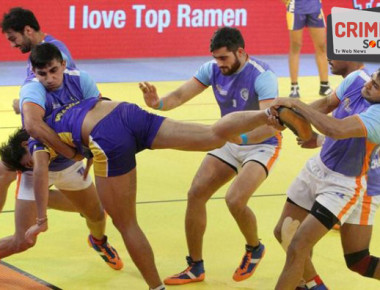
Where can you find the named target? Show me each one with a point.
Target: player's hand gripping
(150, 95)
(34, 230)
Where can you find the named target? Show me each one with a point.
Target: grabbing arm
(41, 193)
(38, 129)
(349, 127)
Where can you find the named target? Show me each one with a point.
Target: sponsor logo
(354, 35)
(244, 94)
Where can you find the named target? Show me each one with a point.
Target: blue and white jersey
(373, 181)
(349, 156)
(64, 51)
(243, 90)
(371, 121)
(77, 85)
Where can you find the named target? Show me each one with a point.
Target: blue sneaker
(194, 273)
(249, 264)
(318, 287)
(106, 252)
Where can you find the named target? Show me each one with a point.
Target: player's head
(48, 65)
(15, 153)
(343, 67)
(371, 89)
(18, 25)
(227, 47)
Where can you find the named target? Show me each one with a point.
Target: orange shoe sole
(237, 277)
(175, 281)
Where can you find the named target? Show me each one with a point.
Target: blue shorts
(298, 21)
(121, 134)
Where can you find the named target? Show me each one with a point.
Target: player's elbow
(34, 130)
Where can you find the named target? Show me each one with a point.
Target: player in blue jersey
(336, 180)
(355, 250)
(300, 14)
(239, 83)
(22, 30)
(114, 153)
(66, 174)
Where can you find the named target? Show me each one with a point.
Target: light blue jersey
(243, 90)
(77, 85)
(371, 121)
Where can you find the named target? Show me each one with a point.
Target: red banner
(149, 28)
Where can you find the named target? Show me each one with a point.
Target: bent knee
(235, 205)
(197, 194)
(362, 263)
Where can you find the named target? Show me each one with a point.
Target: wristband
(244, 139)
(320, 140)
(160, 105)
(41, 221)
(267, 112)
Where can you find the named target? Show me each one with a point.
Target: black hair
(12, 152)
(43, 54)
(228, 37)
(17, 18)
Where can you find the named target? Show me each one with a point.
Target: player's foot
(106, 251)
(325, 90)
(318, 287)
(249, 263)
(316, 284)
(194, 273)
(294, 91)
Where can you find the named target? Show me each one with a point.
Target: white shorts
(70, 179)
(342, 195)
(236, 155)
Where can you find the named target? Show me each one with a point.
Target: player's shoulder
(258, 65)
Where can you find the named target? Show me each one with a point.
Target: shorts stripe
(100, 159)
(366, 209)
(18, 184)
(276, 153)
(352, 200)
(290, 20)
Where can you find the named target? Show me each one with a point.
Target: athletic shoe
(249, 264)
(294, 91)
(107, 252)
(318, 287)
(194, 273)
(325, 90)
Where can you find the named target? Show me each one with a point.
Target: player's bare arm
(349, 127)
(41, 192)
(174, 99)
